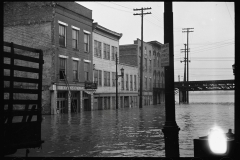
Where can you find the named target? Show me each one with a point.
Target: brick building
(105, 48)
(158, 74)
(63, 30)
(153, 92)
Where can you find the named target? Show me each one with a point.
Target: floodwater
(131, 132)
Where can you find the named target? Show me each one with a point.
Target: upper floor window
(131, 85)
(106, 51)
(106, 78)
(135, 82)
(150, 54)
(86, 71)
(145, 50)
(127, 82)
(145, 65)
(99, 77)
(95, 76)
(97, 49)
(86, 41)
(146, 83)
(62, 68)
(113, 78)
(62, 35)
(114, 52)
(75, 34)
(75, 70)
(122, 83)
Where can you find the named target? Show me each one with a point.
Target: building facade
(105, 52)
(153, 92)
(158, 74)
(63, 30)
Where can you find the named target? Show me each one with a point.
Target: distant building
(153, 87)
(63, 30)
(105, 48)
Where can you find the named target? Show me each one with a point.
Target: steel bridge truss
(205, 85)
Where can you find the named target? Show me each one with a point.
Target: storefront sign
(165, 55)
(72, 88)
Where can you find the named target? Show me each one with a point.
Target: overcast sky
(211, 43)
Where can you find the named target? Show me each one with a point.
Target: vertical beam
(236, 97)
(170, 128)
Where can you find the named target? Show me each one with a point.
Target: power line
(229, 12)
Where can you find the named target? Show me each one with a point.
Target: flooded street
(103, 133)
(127, 132)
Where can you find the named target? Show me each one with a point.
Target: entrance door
(61, 108)
(86, 106)
(74, 105)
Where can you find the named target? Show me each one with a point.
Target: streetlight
(122, 75)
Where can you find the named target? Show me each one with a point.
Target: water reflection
(126, 132)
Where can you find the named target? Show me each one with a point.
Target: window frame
(75, 78)
(65, 67)
(64, 36)
(86, 45)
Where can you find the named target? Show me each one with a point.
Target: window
(114, 52)
(75, 38)
(127, 82)
(106, 78)
(131, 85)
(150, 65)
(95, 76)
(145, 50)
(122, 83)
(75, 70)
(86, 42)
(146, 64)
(146, 83)
(100, 78)
(106, 51)
(150, 54)
(113, 78)
(62, 68)
(62, 35)
(86, 71)
(97, 49)
(135, 82)
(150, 83)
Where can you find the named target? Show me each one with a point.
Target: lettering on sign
(165, 55)
(71, 88)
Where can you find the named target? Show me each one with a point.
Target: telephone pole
(185, 60)
(187, 30)
(141, 63)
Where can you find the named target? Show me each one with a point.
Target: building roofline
(155, 42)
(99, 27)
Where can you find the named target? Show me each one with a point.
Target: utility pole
(185, 60)
(187, 30)
(170, 128)
(141, 63)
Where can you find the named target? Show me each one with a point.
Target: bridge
(183, 87)
(205, 85)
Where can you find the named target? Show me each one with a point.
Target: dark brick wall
(128, 54)
(16, 13)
